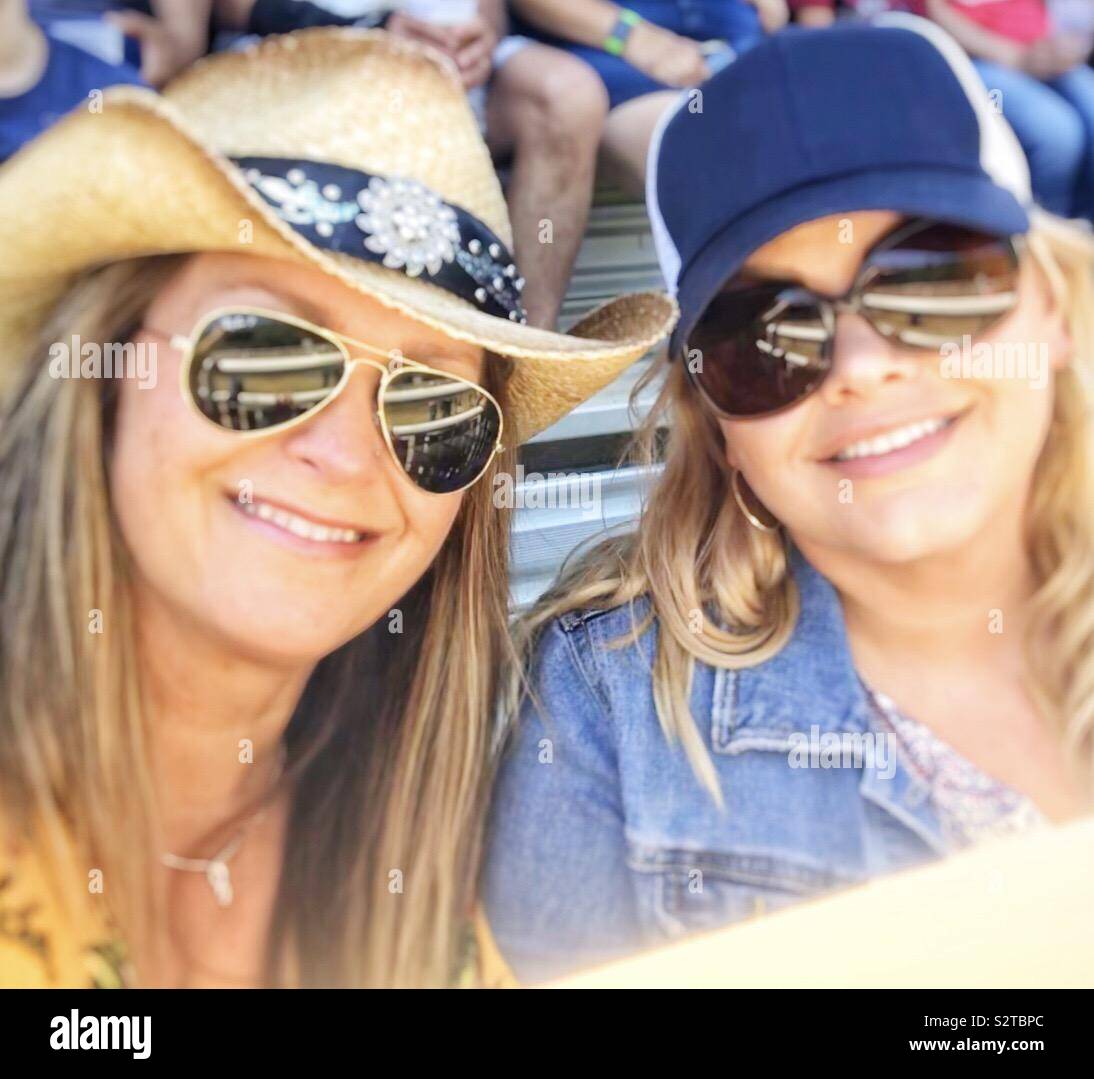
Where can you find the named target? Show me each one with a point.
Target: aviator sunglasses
(764, 346)
(256, 372)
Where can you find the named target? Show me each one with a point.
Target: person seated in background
(1046, 90)
(821, 13)
(157, 37)
(1034, 55)
(543, 114)
(541, 109)
(42, 77)
(1073, 17)
(644, 53)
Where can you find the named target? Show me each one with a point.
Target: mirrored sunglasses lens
(940, 285)
(252, 372)
(760, 349)
(443, 430)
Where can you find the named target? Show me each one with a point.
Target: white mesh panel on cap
(668, 257)
(1001, 156)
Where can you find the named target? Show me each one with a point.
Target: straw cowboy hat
(349, 150)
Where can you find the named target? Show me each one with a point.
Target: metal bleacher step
(565, 517)
(574, 488)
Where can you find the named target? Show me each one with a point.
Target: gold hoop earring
(749, 516)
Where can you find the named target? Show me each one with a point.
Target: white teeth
(300, 526)
(896, 439)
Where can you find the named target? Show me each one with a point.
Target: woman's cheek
(1022, 415)
(434, 516)
(758, 448)
(159, 454)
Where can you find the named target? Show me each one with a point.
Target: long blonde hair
(703, 567)
(389, 749)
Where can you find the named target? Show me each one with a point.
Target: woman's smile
(309, 533)
(880, 449)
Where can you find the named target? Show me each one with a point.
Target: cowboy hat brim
(134, 180)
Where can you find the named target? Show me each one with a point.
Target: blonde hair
(390, 748)
(720, 589)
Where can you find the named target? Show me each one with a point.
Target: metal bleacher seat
(617, 255)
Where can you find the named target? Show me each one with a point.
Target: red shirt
(1020, 20)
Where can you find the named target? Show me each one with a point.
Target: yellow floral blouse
(43, 946)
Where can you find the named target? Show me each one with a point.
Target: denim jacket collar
(812, 677)
(812, 682)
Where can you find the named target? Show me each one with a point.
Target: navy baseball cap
(888, 115)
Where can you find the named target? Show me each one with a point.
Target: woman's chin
(909, 525)
(287, 634)
(910, 538)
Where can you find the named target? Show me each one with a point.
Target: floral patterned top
(971, 805)
(47, 944)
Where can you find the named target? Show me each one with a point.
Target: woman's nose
(863, 361)
(344, 441)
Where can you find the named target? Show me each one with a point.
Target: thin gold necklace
(216, 868)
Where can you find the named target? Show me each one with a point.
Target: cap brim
(959, 198)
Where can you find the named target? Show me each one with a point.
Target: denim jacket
(602, 840)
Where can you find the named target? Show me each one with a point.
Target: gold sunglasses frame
(389, 370)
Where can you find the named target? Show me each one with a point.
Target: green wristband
(616, 41)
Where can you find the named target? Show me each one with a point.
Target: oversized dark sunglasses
(762, 347)
(254, 372)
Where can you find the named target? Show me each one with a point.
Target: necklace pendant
(220, 881)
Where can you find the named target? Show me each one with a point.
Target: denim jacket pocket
(687, 891)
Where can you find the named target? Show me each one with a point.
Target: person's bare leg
(24, 52)
(547, 109)
(627, 137)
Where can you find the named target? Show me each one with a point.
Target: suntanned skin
(815, 15)
(231, 617)
(544, 116)
(546, 111)
(175, 35)
(24, 50)
(667, 57)
(171, 38)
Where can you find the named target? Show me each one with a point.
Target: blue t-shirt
(70, 75)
